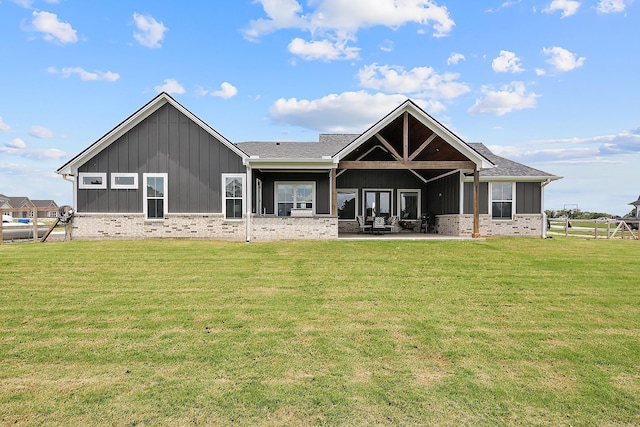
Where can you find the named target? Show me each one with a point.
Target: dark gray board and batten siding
(528, 198)
(165, 142)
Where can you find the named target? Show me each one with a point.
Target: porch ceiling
(406, 143)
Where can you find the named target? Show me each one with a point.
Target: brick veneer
(462, 225)
(201, 226)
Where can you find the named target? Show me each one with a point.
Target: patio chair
(379, 225)
(363, 227)
(392, 224)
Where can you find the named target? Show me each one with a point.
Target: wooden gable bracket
(388, 146)
(423, 146)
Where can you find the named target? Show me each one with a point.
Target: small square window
(124, 181)
(92, 180)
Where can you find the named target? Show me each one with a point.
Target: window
(124, 181)
(347, 202)
(155, 195)
(377, 203)
(294, 195)
(233, 196)
(96, 180)
(409, 203)
(501, 200)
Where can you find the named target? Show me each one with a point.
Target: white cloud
(568, 7)
(509, 98)
(594, 149)
(16, 143)
(84, 75)
(346, 112)
(350, 16)
(170, 86)
(506, 62)
(4, 127)
(150, 32)
(336, 22)
(387, 46)
(53, 29)
(611, 6)
(17, 147)
(562, 59)
(540, 72)
(43, 132)
(323, 50)
(455, 57)
(423, 82)
(24, 3)
(227, 90)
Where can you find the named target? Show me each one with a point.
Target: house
(163, 172)
(46, 208)
(24, 204)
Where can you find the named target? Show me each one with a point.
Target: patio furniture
(362, 225)
(392, 224)
(379, 226)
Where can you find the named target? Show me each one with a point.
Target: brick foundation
(462, 225)
(202, 226)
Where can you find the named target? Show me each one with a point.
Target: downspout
(66, 176)
(544, 214)
(249, 199)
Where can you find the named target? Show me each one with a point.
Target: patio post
(476, 204)
(334, 193)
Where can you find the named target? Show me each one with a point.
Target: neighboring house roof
(19, 202)
(44, 203)
(72, 165)
(506, 168)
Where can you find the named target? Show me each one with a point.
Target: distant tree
(631, 214)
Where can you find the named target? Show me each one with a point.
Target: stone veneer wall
(462, 225)
(270, 228)
(134, 226)
(201, 226)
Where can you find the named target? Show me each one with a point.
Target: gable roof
(130, 122)
(506, 168)
(410, 107)
(16, 202)
(44, 203)
(327, 146)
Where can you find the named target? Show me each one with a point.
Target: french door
(377, 203)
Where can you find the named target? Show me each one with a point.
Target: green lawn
(494, 332)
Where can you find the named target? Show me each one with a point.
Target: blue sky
(552, 84)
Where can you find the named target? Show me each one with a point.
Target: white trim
(294, 183)
(165, 198)
(115, 186)
(513, 201)
(399, 192)
(101, 175)
(444, 133)
(348, 190)
(243, 177)
(364, 198)
(135, 119)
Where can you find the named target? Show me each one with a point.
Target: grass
(495, 332)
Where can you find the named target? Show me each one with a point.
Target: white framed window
(154, 195)
(347, 204)
(124, 181)
(295, 195)
(502, 198)
(233, 195)
(409, 204)
(377, 202)
(92, 180)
